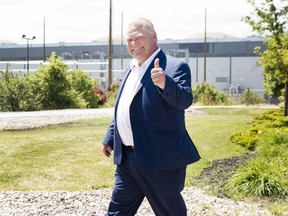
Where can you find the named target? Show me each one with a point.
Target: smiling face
(141, 42)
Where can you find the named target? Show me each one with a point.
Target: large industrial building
(231, 64)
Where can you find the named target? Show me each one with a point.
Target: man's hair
(146, 24)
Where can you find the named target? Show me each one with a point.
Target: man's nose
(133, 42)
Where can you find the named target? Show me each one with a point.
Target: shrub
(274, 144)
(111, 95)
(54, 87)
(267, 174)
(246, 138)
(16, 92)
(260, 125)
(86, 87)
(207, 94)
(102, 96)
(272, 119)
(261, 177)
(249, 97)
(51, 87)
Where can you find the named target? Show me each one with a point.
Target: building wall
(229, 63)
(227, 72)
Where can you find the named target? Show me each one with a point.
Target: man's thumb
(156, 63)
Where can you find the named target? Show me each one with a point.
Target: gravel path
(95, 202)
(34, 119)
(88, 203)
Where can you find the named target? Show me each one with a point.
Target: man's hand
(158, 76)
(106, 150)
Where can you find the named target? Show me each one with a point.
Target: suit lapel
(147, 74)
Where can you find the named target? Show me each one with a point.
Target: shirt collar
(134, 62)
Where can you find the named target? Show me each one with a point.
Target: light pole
(27, 39)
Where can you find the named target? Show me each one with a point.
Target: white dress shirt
(130, 89)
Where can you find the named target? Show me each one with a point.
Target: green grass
(66, 156)
(211, 132)
(69, 156)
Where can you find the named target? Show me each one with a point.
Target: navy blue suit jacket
(157, 119)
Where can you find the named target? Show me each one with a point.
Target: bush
(245, 138)
(54, 87)
(274, 144)
(261, 177)
(207, 94)
(51, 87)
(85, 87)
(16, 92)
(272, 119)
(111, 95)
(249, 98)
(260, 125)
(267, 174)
(101, 95)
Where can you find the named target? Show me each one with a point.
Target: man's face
(140, 43)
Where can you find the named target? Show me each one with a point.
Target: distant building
(231, 64)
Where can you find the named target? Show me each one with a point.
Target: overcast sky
(88, 20)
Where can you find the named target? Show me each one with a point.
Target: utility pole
(205, 45)
(121, 41)
(44, 48)
(110, 48)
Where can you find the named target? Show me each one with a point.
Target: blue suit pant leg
(126, 195)
(162, 189)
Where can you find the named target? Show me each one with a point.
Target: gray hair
(146, 24)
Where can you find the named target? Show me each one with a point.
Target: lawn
(69, 156)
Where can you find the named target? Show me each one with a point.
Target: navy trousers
(162, 188)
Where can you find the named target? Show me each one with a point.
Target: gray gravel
(95, 202)
(34, 119)
(64, 203)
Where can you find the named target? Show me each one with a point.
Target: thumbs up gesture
(157, 75)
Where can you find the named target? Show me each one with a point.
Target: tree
(51, 87)
(270, 20)
(275, 68)
(16, 92)
(52, 84)
(81, 82)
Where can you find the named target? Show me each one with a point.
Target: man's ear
(154, 36)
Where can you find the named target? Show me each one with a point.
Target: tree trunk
(285, 99)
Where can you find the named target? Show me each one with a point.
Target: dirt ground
(217, 175)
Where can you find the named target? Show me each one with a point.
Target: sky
(88, 20)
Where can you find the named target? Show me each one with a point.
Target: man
(151, 145)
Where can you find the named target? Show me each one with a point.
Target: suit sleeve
(177, 91)
(109, 137)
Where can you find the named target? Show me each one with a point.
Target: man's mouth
(136, 49)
